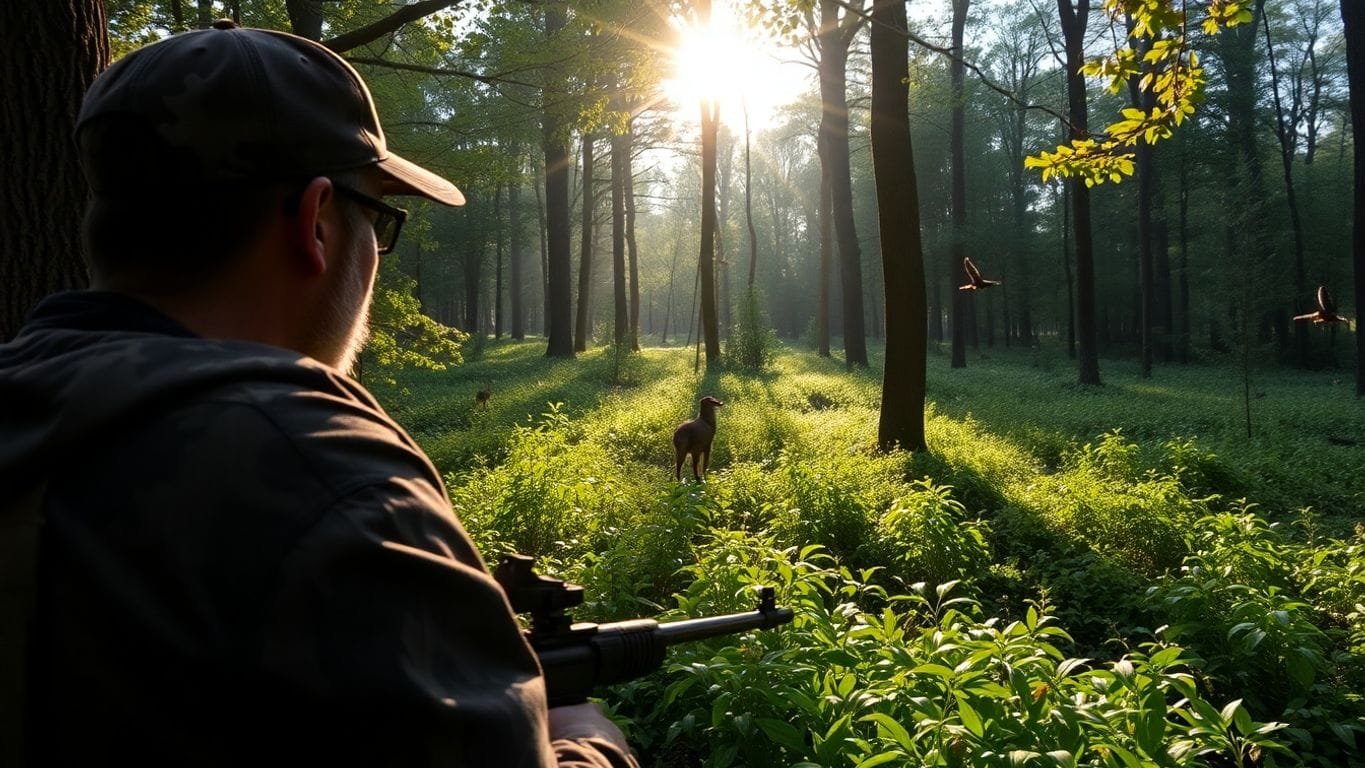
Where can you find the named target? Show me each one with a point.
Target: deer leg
(705, 461)
(677, 465)
(695, 455)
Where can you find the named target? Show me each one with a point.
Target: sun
(736, 66)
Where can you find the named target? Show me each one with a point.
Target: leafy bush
(932, 684)
(926, 537)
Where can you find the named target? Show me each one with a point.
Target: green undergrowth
(1067, 577)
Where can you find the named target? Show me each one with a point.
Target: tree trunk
(826, 253)
(834, 43)
(902, 410)
(957, 273)
(305, 17)
(559, 297)
(1353, 27)
(706, 272)
(749, 209)
(580, 328)
(473, 269)
(725, 159)
(497, 255)
(1074, 21)
(621, 315)
(632, 252)
(1285, 132)
(1066, 270)
(1146, 169)
(55, 50)
(517, 288)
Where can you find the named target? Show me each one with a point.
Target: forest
(1034, 325)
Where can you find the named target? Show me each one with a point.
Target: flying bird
(1326, 311)
(975, 278)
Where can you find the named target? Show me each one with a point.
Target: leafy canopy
(1159, 57)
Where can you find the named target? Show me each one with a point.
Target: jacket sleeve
(400, 645)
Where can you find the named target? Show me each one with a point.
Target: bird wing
(1309, 316)
(1325, 302)
(973, 273)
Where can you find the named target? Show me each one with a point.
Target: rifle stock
(578, 657)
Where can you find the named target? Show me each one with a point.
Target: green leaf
(881, 759)
(969, 716)
(888, 726)
(782, 732)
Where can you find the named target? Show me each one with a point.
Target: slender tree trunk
(559, 297)
(205, 14)
(544, 260)
(1074, 21)
(621, 315)
(957, 274)
(53, 53)
(1284, 131)
(1353, 27)
(518, 265)
(826, 253)
(706, 259)
(903, 383)
(473, 270)
(834, 44)
(497, 256)
(581, 331)
(672, 273)
(725, 159)
(632, 251)
(749, 208)
(1146, 170)
(1066, 269)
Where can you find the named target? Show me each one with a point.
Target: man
(242, 559)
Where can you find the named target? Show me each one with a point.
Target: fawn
(694, 436)
(481, 397)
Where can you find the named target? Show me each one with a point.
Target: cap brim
(411, 179)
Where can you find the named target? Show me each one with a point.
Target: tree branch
(371, 32)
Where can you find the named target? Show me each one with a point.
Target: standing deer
(694, 436)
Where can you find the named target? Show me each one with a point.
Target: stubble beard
(344, 327)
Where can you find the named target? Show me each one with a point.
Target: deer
(482, 396)
(694, 436)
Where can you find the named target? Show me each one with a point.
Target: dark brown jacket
(243, 560)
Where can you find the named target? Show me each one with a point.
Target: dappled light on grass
(1086, 540)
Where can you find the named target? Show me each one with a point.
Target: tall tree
(53, 53)
(1144, 100)
(517, 248)
(1074, 20)
(1353, 25)
(621, 326)
(555, 143)
(581, 320)
(1286, 131)
(903, 381)
(957, 275)
(837, 28)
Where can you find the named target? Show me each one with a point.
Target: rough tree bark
(42, 193)
(902, 413)
(1074, 20)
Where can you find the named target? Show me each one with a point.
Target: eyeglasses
(388, 220)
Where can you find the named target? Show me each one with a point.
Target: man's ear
(314, 226)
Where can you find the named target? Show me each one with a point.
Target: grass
(1095, 504)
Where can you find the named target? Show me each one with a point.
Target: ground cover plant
(1069, 576)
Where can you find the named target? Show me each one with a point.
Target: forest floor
(1101, 507)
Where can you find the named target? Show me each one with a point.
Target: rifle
(578, 657)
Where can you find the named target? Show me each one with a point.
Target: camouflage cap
(229, 104)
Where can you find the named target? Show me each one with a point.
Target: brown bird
(974, 275)
(1326, 311)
